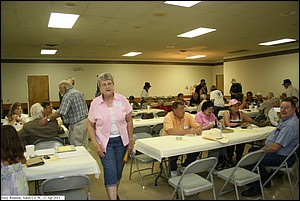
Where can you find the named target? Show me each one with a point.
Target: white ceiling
(106, 30)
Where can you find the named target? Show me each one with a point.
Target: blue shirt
(73, 106)
(286, 134)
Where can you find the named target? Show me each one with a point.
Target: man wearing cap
(145, 92)
(290, 89)
(235, 88)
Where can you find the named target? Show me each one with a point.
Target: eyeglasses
(106, 84)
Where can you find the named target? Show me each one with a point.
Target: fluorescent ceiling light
(196, 57)
(182, 3)
(45, 51)
(61, 20)
(196, 32)
(275, 42)
(131, 54)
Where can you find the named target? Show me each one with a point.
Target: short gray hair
(36, 111)
(104, 77)
(66, 83)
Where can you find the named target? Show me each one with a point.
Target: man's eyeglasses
(106, 84)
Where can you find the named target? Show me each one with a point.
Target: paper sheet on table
(70, 154)
(43, 152)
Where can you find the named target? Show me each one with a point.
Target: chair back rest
(201, 165)
(251, 158)
(161, 113)
(156, 128)
(141, 135)
(161, 132)
(140, 129)
(65, 183)
(293, 152)
(48, 143)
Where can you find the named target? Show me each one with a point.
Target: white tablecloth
(166, 146)
(147, 122)
(53, 167)
(191, 109)
(154, 111)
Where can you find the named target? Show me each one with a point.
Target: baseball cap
(233, 102)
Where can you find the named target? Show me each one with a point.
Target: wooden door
(38, 89)
(220, 82)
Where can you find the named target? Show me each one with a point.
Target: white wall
(263, 74)
(258, 75)
(130, 78)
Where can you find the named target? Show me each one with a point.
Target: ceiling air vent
(50, 46)
(237, 51)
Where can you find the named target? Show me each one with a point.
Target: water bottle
(220, 125)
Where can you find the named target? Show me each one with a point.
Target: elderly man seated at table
(48, 110)
(178, 122)
(279, 143)
(32, 131)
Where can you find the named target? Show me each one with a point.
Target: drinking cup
(30, 150)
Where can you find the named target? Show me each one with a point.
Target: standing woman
(111, 130)
(13, 180)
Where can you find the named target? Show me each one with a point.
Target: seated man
(32, 131)
(278, 144)
(179, 122)
(135, 105)
(48, 110)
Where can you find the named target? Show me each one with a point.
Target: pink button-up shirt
(201, 118)
(99, 114)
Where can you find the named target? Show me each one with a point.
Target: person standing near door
(74, 111)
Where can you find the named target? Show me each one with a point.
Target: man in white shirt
(217, 98)
(290, 89)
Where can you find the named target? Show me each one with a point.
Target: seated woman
(207, 119)
(274, 114)
(161, 105)
(249, 99)
(147, 103)
(233, 118)
(194, 101)
(15, 115)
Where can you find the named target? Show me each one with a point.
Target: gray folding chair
(240, 176)
(76, 187)
(190, 182)
(141, 158)
(141, 129)
(161, 113)
(287, 169)
(48, 143)
(156, 129)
